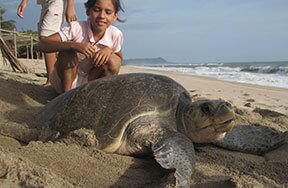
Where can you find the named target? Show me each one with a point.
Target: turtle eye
(207, 108)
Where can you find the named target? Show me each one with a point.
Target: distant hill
(145, 61)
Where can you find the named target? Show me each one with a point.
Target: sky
(191, 31)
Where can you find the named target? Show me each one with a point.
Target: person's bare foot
(47, 84)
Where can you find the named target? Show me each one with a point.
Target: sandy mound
(50, 164)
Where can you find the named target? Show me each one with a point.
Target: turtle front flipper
(253, 139)
(175, 151)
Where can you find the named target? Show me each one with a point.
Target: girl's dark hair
(116, 3)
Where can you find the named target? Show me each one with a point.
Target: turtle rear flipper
(175, 151)
(253, 139)
(19, 132)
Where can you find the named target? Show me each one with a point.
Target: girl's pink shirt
(80, 31)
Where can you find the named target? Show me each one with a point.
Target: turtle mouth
(225, 126)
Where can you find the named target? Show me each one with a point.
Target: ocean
(273, 74)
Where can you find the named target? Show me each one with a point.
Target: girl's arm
(70, 11)
(54, 43)
(102, 56)
(21, 8)
(120, 55)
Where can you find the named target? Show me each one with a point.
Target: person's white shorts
(56, 82)
(51, 18)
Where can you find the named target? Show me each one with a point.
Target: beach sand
(39, 164)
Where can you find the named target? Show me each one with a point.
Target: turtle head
(207, 121)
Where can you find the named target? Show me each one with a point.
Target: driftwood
(14, 62)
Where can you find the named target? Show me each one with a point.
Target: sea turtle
(136, 114)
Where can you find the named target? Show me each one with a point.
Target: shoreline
(240, 94)
(139, 69)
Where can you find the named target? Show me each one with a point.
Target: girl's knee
(112, 67)
(68, 58)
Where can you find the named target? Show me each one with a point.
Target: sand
(49, 164)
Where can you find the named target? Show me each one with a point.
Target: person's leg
(51, 19)
(50, 60)
(112, 67)
(66, 66)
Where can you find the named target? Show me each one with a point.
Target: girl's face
(102, 15)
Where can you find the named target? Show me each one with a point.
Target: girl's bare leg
(112, 67)
(67, 64)
(50, 60)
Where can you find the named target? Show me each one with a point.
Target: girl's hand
(102, 56)
(86, 48)
(21, 9)
(70, 14)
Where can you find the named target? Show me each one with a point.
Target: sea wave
(275, 75)
(267, 69)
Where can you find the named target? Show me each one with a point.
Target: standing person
(51, 19)
(87, 49)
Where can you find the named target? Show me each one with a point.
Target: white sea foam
(266, 75)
